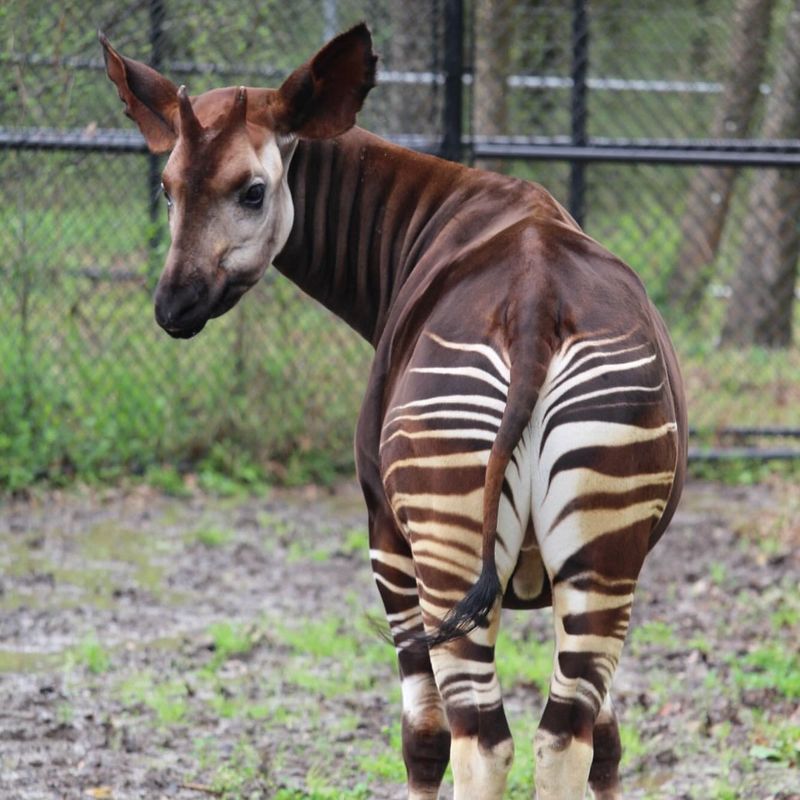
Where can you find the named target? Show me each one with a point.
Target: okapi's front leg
(426, 736)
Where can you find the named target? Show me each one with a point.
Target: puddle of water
(85, 567)
(22, 661)
(29, 661)
(652, 780)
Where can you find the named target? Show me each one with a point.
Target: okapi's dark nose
(181, 309)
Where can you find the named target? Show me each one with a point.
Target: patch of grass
(633, 747)
(240, 777)
(323, 638)
(655, 633)
(771, 666)
(212, 536)
(336, 655)
(230, 639)
(65, 713)
(700, 643)
(91, 654)
(523, 770)
(167, 479)
(299, 551)
(355, 542)
(386, 765)
(320, 790)
(523, 660)
(718, 573)
(777, 741)
(166, 699)
(721, 789)
(743, 472)
(785, 617)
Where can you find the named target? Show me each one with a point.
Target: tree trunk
(711, 187)
(493, 33)
(760, 309)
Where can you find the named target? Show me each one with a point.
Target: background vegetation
(90, 387)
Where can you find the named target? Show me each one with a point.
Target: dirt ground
(160, 647)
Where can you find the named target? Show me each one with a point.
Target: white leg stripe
(503, 369)
(589, 374)
(480, 458)
(453, 400)
(458, 433)
(403, 563)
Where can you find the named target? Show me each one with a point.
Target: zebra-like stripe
(572, 502)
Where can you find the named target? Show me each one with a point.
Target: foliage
(90, 390)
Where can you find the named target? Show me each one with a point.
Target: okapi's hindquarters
(594, 471)
(443, 416)
(605, 435)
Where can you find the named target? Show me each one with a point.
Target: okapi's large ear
(151, 100)
(321, 99)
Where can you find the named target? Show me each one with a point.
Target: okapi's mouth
(196, 315)
(184, 333)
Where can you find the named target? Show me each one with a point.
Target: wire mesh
(716, 246)
(87, 382)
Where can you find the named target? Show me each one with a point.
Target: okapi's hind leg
(593, 585)
(482, 750)
(578, 742)
(604, 772)
(426, 734)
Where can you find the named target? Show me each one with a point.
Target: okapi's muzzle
(183, 309)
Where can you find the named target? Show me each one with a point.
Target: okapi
(522, 441)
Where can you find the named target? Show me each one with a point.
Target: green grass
(91, 654)
(167, 700)
(235, 778)
(657, 633)
(212, 536)
(774, 666)
(230, 639)
(523, 661)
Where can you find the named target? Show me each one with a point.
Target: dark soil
(114, 682)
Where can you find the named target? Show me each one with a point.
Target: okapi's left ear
(151, 100)
(320, 100)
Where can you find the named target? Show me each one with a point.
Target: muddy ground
(160, 647)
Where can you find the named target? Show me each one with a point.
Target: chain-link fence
(671, 131)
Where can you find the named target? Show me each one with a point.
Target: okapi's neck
(366, 212)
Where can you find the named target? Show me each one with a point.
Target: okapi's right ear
(151, 100)
(320, 100)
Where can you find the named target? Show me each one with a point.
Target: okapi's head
(225, 182)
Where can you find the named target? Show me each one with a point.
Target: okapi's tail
(528, 370)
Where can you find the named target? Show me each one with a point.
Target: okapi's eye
(166, 196)
(253, 197)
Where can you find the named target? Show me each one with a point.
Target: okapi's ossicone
(522, 441)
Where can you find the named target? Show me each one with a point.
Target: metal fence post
(158, 12)
(452, 116)
(578, 114)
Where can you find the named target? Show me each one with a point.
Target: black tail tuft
(472, 611)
